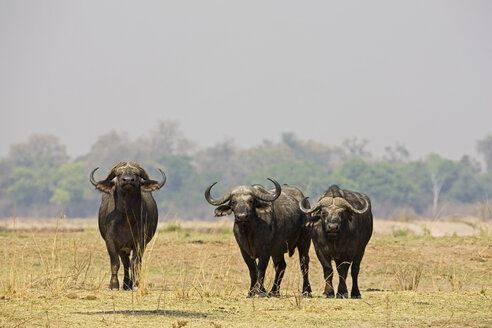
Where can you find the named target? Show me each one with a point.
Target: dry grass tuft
(408, 276)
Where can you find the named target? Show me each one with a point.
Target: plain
(194, 276)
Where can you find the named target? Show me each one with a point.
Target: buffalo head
(128, 177)
(333, 212)
(244, 201)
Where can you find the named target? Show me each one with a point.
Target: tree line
(37, 177)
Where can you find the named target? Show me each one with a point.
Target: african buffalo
(341, 226)
(267, 224)
(127, 217)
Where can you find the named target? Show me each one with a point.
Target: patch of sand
(467, 226)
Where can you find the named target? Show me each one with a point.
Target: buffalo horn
(219, 201)
(269, 197)
(163, 181)
(93, 181)
(344, 203)
(316, 206)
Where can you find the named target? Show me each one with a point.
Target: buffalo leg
(125, 258)
(262, 265)
(327, 273)
(115, 265)
(280, 265)
(303, 249)
(136, 265)
(342, 268)
(253, 273)
(354, 271)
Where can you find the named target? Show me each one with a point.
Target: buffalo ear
(315, 217)
(149, 185)
(263, 207)
(223, 210)
(105, 186)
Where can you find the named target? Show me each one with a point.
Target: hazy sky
(413, 72)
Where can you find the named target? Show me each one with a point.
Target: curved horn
(269, 197)
(323, 201)
(343, 202)
(91, 177)
(163, 181)
(218, 201)
(308, 210)
(304, 209)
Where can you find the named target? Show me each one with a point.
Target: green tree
(484, 147)
(168, 138)
(465, 188)
(220, 158)
(471, 164)
(329, 157)
(398, 153)
(307, 175)
(39, 150)
(112, 148)
(32, 187)
(72, 192)
(351, 174)
(442, 172)
(184, 188)
(387, 184)
(6, 199)
(32, 174)
(356, 148)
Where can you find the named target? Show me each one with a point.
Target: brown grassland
(194, 276)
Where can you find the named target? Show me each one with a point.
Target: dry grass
(407, 276)
(197, 278)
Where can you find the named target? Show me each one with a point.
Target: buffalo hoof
(345, 295)
(127, 284)
(331, 295)
(356, 296)
(114, 285)
(274, 294)
(307, 295)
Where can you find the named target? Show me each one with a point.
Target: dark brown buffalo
(341, 226)
(267, 224)
(127, 218)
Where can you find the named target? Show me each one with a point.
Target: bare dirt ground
(466, 226)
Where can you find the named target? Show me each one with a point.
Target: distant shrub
(403, 233)
(172, 227)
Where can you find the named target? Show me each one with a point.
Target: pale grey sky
(414, 72)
